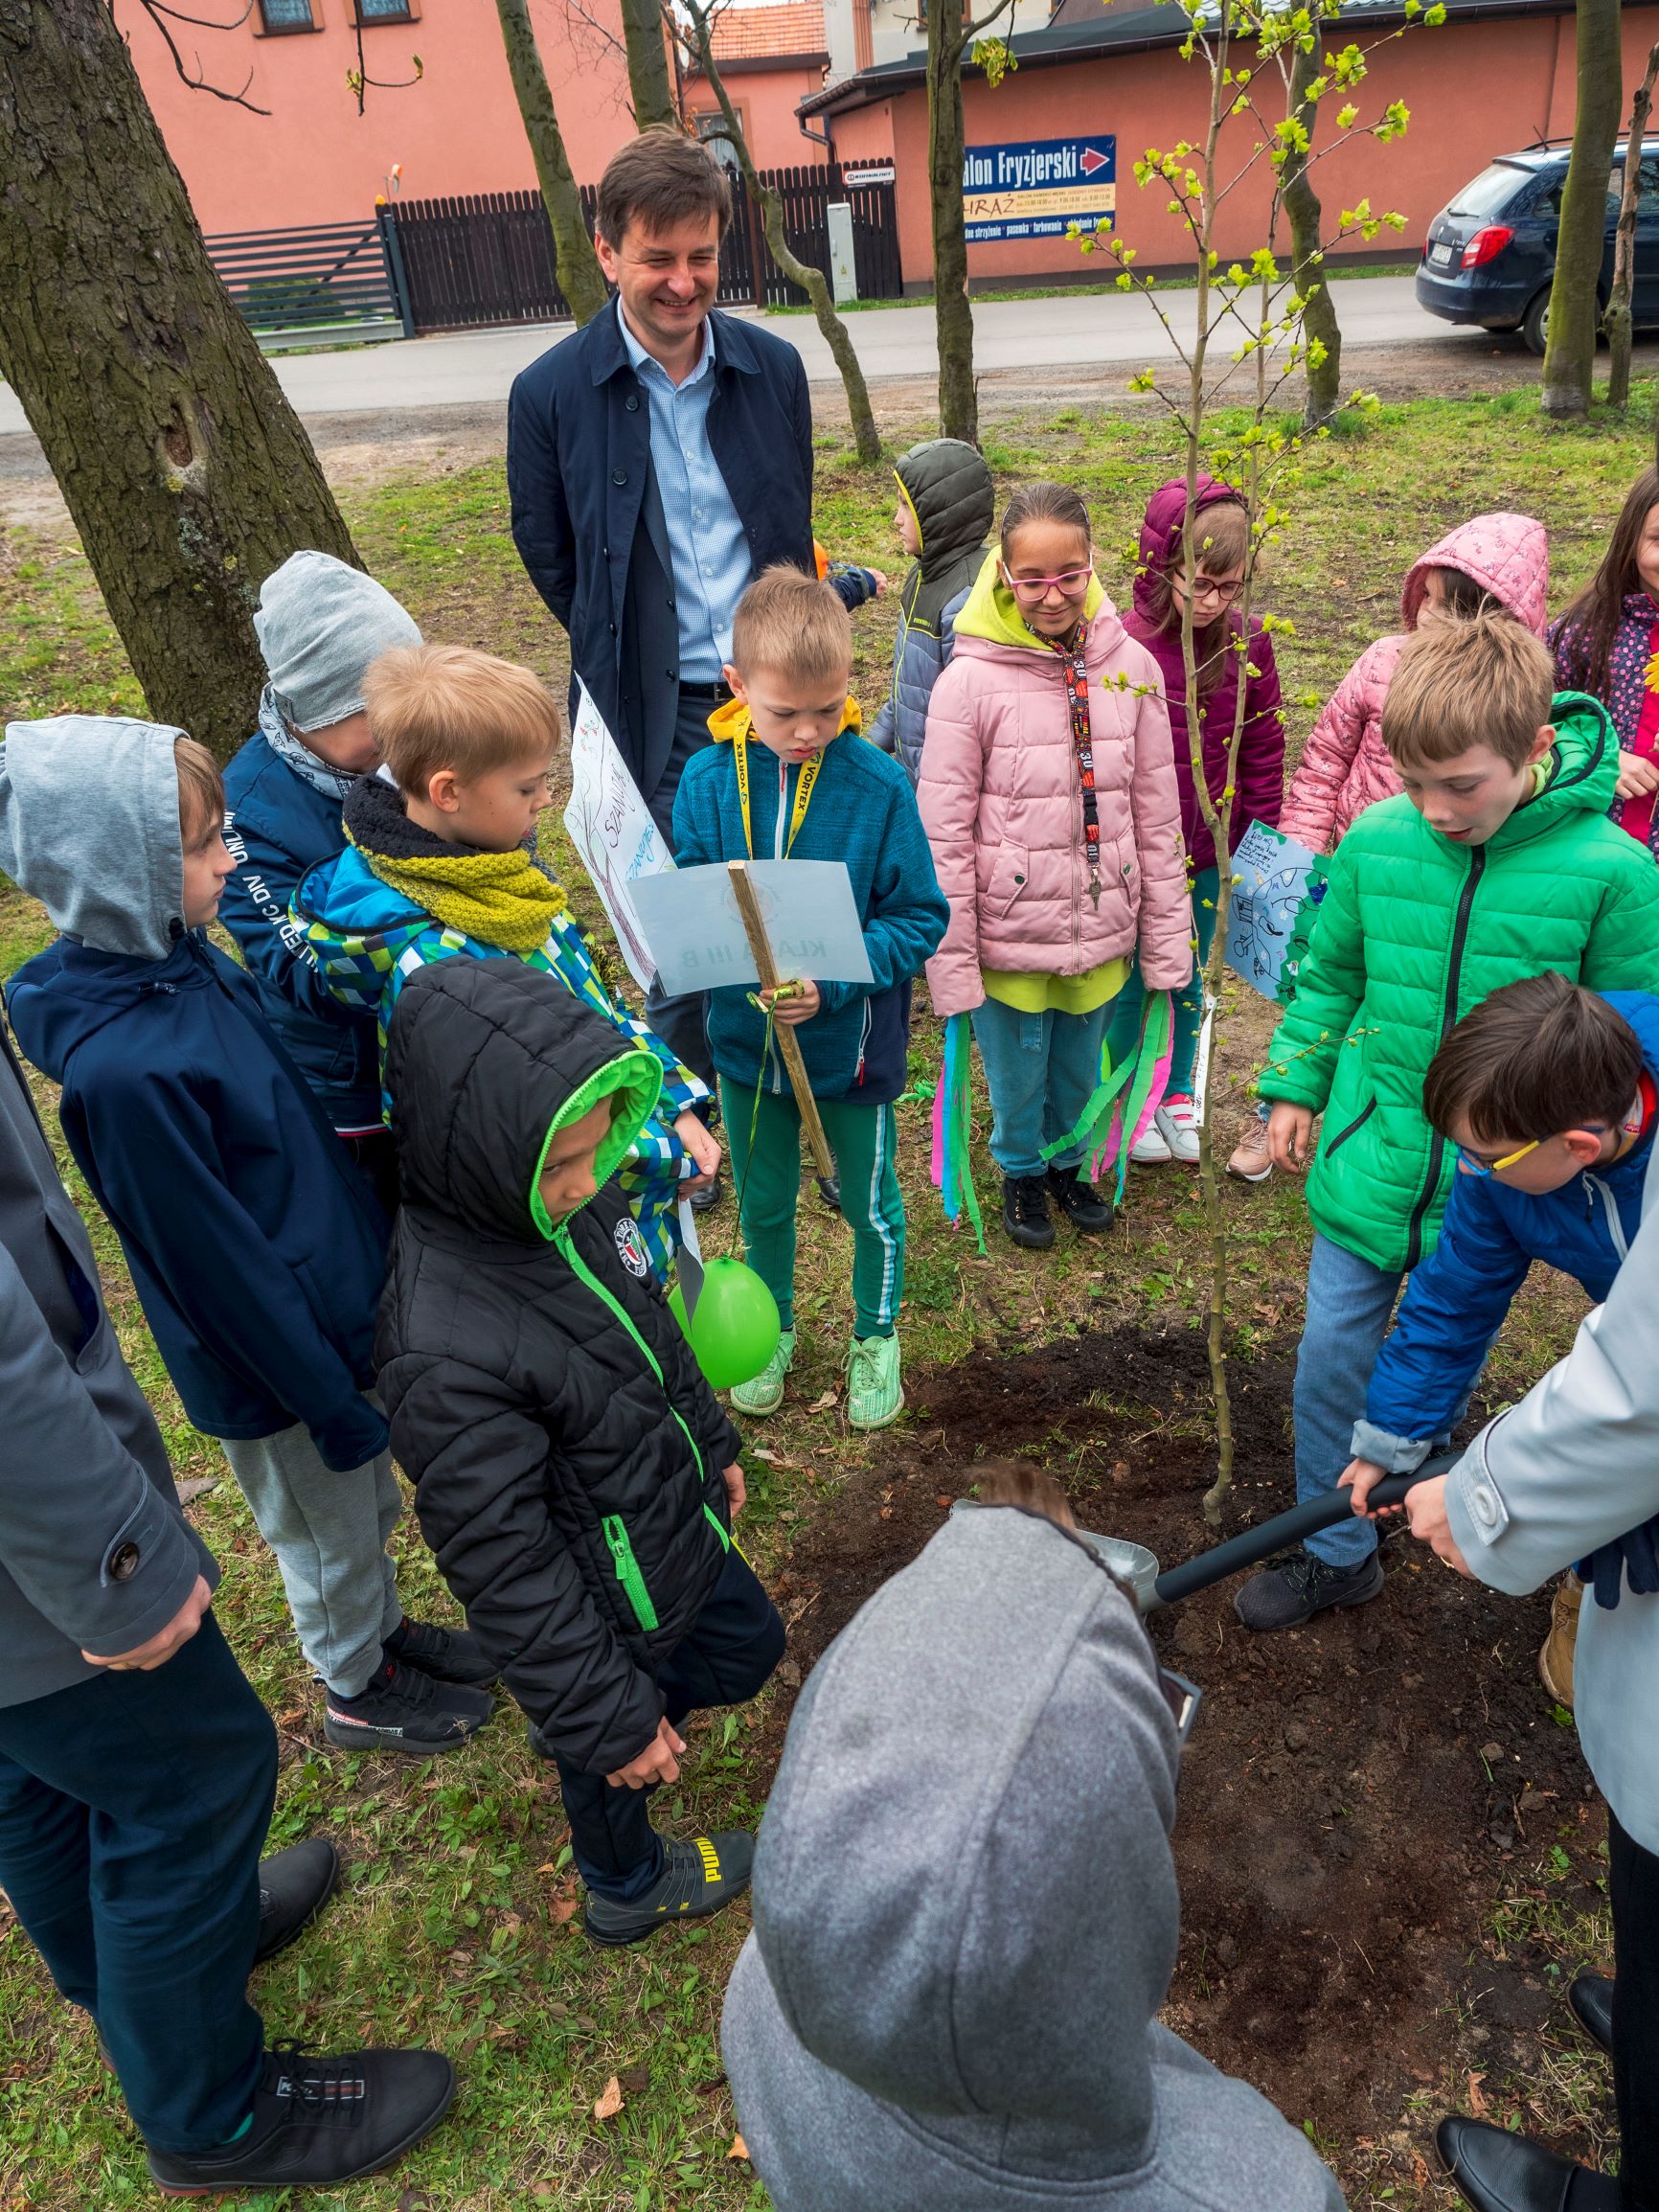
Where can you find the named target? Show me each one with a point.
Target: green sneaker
(875, 1398)
(766, 1394)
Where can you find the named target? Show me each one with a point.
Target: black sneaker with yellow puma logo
(697, 1877)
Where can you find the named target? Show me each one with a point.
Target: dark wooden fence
(332, 280)
(488, 258)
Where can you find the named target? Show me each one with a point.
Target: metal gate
(334, 281)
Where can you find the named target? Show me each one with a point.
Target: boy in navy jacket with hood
(256, 1252)
(1546, 1092)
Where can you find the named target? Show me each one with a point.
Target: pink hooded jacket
(1002, 805)
(1345, 766)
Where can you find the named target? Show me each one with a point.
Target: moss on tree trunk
(1570, 358)
(580, 279)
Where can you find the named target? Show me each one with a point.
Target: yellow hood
(731, 720)
(990, 611)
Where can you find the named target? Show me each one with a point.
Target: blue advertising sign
(1039, 188)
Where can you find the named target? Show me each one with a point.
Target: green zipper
(586, 1274)
(627, 1571)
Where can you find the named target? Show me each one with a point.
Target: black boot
(404, 1711)
(1591, 1997)
(294, 1886)
(829, 1190)
(319, 2121)
(1079, 1201)
(1497, 2172)
(697, 1877)
(446, 1654)
(1025, 1211)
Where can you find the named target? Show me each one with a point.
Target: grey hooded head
(89, 826)
(966, 1916)
(321, 624)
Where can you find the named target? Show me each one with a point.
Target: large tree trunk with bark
(580, 279)
(1570, 358)
(1618, 322)
(947, 144)
(1321, 333)
(650, 95)
(188, 474)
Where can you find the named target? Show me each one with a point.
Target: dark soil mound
(1351, 1793)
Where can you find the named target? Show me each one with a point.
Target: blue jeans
(1126, 1022)
(1041, 1070)
(133, 1807)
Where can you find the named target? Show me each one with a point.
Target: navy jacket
(1456, 1299)
(277, 825)
(256, 1249)
(587, 518)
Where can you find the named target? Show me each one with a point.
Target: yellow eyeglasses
(1471, 1163)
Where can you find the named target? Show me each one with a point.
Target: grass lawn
(456, 1925)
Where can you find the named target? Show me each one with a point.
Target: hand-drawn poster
(1277, 887)
(613, 832)
(812, 920)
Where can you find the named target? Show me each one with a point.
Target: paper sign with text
(611, 828)
(696, 936)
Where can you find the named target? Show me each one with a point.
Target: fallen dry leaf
(944, 1502)
(740, 2149)
(560, 1909)
(195, 1486)
(821, 1406)
(1477, 2103)
(609, 2102)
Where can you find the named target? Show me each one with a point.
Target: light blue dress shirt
(707, 541)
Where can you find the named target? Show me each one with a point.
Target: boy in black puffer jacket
(572, 1473)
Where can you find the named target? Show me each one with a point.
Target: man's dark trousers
(682, 1023)
(1633, 1891)
(726, 1656)
(133, 1809)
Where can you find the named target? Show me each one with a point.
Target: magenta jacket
(1260, 784)
(1345, 766)
(1002, 806)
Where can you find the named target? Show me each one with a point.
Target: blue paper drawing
(1277, 887)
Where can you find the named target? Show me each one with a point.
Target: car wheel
(1535, 323)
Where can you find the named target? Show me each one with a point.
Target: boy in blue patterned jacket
(815, 789)
(438, 864)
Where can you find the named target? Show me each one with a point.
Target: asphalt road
(475, 368)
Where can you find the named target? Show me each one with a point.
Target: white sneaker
(1177, 1124)
(1152, 1152)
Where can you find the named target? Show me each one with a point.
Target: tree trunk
(1570, 360)
(946, 146)
(580, 279)
(1321, 333)
(188, 475)
(812, 282)
(1617, 321)
(649, 93)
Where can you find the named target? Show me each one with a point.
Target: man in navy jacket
(657, 462)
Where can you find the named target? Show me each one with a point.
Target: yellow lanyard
(803, 792)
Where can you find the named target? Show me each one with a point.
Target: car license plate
(1441, 254)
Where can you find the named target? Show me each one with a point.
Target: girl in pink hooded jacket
(1344, 768)
(1049, 796)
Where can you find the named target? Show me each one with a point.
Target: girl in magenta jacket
(1605, 644)
(1345, 767)
(1224, 659)
(1048, 795)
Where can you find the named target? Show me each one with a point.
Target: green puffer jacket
(1414, 931)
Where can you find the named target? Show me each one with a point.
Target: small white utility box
(843, 270)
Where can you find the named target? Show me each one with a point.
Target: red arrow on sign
(1090, 159)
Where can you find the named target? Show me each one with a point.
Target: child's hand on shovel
(792, 1003)
(1361, 1476)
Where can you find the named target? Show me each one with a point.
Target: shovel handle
(1252, 1545)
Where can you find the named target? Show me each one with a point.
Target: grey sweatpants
(329, 1534)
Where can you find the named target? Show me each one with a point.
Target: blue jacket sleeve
(541, 528)
(908, 912)
(146, 1143)
(1454, 1304)
(852, 584)
(255, 907)
(71, 1493)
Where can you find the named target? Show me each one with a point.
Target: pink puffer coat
(1002, 805)
(1345, 767)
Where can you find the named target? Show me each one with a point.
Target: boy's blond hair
(1487, 681)
(792, 625)
(447, 706)
(201, 790)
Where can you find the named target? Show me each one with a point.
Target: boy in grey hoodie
(971, 2025)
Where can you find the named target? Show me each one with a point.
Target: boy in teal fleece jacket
(834, 797)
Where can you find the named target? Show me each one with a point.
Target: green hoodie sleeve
(1329, 991)
(1621, 951)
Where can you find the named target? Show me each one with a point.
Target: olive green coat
(1413, 932)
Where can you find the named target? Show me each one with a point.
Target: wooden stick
(788, 1044)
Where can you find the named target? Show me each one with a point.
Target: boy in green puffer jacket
(1497, 862)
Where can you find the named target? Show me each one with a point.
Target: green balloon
(735, 1330)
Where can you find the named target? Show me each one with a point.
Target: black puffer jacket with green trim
(566, 1452)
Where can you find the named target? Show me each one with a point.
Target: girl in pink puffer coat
(1048, 795)
(1344, 766)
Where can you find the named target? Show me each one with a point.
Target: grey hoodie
(966, 1916)
(1570, 1467)
(110, 875)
